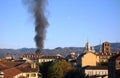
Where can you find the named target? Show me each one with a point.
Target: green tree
(59, 69)
(55, 71)
(44, 68)
(66, 66)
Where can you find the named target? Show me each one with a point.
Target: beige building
(92, 62)
(50, 58)
(96, 72)
(41, 58)
(88, 58)
(27, 75)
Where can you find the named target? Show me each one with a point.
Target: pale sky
(71, 23)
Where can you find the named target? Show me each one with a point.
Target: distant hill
(63, 51)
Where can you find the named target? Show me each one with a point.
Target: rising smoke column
(37, 8)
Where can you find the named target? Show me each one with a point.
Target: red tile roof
(2, 65)
(7, 65)
(11, 69)
(9, 73)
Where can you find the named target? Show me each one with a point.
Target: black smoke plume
(37, 8)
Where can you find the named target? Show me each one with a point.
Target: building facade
(96, 72)
(88, 58)
(50, 58)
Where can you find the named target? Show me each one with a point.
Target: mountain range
(59, 50)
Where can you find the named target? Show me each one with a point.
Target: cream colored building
(27, 75)
(50, 58)
(46, 59)
(97, 71)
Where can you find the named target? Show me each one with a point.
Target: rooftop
(11, 69)
(97, 67)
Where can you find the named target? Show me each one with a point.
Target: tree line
(59, 69)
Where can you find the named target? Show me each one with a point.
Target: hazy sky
(71, 23)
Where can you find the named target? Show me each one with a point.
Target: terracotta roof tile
(9, 73)
(8, 65)
(11, 69)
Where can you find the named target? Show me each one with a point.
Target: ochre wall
(89, 59)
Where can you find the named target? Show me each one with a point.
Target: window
(106, 73)
(90, 73)
(33, 75)
(95, 72)
(27, 75)
(43, 60)
(103, 73)
(98, 73)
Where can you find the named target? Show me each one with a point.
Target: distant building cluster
(102, 64)
(25, 67)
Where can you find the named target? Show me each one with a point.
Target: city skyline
(71, 23)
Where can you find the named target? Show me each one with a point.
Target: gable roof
(7, 65)
(14, 69)
(9, 73)
(81, 55)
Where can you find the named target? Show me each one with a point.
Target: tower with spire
(88, 48)
(93, 50)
